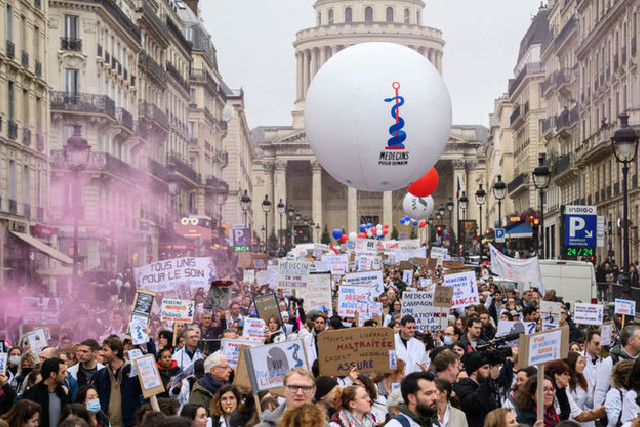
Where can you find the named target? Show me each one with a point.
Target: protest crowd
(368, 334)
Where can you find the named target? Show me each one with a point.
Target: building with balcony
(286, 168)
(24, 135)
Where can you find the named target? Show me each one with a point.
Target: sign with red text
(465, 291)
(348, 297)
(293, 274)
(177, 310)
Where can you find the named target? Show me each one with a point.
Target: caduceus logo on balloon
(398, 136)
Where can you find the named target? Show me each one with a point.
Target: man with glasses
(447, 365)
(188, 354)
(299, 388)
(409, 349)
(217, 371)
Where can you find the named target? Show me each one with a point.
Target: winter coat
(130, 390)
(39, 393)
(476, 400)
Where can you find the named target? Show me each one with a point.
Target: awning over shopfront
(519, 230)
(40, 246)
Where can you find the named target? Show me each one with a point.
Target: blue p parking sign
(580, 227)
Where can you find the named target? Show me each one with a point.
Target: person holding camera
(478, 394)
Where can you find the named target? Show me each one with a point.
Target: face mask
(93, 406)
(14, 360)
(447, 340)
(26, 371)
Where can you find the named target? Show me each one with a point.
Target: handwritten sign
(162, 276)
(319, 290)
(293, 274)
(407, 277)
(588, 314)
(338, 264)
(366, 310)
(366, 349)
(267, 365)
(550, 314)
(232, 349)
(626, 307)
(348, 297)
(267, 307)
(253, 329)
(366, 278)
(3, 363)
(148, 375)
(543, 347)
(606, 334)
(37, 340)
(420, 306)
(443, 297)
(465, 291)
(177, 310)
(137, 330)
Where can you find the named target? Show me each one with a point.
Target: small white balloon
(353, 236)
(377, 116)
(417, 207)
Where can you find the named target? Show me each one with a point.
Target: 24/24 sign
(580, 228)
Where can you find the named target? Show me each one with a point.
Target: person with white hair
(394, 399)
(217, 371)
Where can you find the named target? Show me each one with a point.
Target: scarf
(210, 383)
(550, 418)
(348, 419)
(420, 419)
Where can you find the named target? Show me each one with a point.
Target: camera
(495, 351)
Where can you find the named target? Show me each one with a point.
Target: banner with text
(465, 291)
(170, 274)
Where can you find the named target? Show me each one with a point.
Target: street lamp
(541, 180)
(265, 239)
(281, 209)
(76, 157)
(245, 204)
(290, 218)
(624, 143)
(266, 207)
(499, 192)
(450, 210)
(464, 204)
(318, 232)
(481, 197)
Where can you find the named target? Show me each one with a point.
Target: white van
(572, 280)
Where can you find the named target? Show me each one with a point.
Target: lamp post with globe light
(541, 180)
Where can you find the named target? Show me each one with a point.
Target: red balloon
(385, 231)
(362, 236)
(425, 185)
(373, 230)
(422, 223)
(386, 225)
(344, 238)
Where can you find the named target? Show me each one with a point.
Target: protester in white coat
(409, 349)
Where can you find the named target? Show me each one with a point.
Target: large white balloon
(417, 207)
(377, 116)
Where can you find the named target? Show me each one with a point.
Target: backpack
(402, 420)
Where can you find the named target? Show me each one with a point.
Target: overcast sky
(254, 43)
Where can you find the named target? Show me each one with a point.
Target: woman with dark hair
(631, 404)
(527, 402)
(25, 413)
(196, 413)
(223, 404)
(613, 402)
(74, 410)
(578, 386)
(165, 340)
(460, 348)
(355, 410)
(88, 396)
(448, 414)
(509, 401)
(384, 383)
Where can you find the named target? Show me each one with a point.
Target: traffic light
(439, 228)
(535, 225)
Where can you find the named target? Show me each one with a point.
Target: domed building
(286, 168)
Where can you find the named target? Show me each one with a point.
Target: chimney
(193, 4)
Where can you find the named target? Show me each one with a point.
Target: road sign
(241, 238)
(581, 226)
(600, 231)
(501, 234)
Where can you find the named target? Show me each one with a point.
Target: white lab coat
(413, 354)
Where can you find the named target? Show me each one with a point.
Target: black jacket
(476, 400)
(39, 393)
(130, 390)
(7, 396)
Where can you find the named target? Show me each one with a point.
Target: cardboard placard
(419, 261)
(37, 340)
(626, 307)
(550, 314)
(319, 291)
(177, 310)
(245, 260)
(405, 265)
(588, 314)
(606, 334)
(465, 290)
(267, 307)
(293, 274)
(148, 375)
(543, 347)
(143, 302)
(443, 296)
(420, 306)
(267, 365)
(432, 263)
(366, 349)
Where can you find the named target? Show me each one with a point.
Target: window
(23, 32)
(389, 14)
(368, 15)
(319, 18)
(25, 108)
(71, 80)
(330, 16)
(9, 21)
(71, 26)
(12, 101)
(348, 15)
(36, 43)
(406, 16)
(26, 185)
(11, 190)
(38, 115)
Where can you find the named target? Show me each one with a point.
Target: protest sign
(366, 246)
(588, 314)
(419, 261)
(293, 274)
(438, 252)
(366, 349)
(426, 284)
(3, 363)
(606, 334)
(404, 265)
(348, 297)
(443, 297)
(453, 263)
(518, 270)
(366, 262)
(267, 307)
(405, 255)
(365, 310)
(432, 264)
(318, 292)
(338, 264)
(420, 306)
(218, 295)
(148, 375)
(267, 365)
(37, 340)
(407, 277)
(231, 349)
(133, 354)
(626, 307)
(505, 328)
(143, 302)
(176, 310)
(319, 249)
(249, 276)
(543, 347)
(183, 375)
(254, 329)
(465, 291)
(321, 266)
(407, 245)
(550, 314)
(167, 275)
(372, 279)
(137, 330)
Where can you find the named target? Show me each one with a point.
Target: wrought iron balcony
(154, 20)
(562, 164)
(85, 102)
(147, 62)
(11, 49)
(38, 68)
(528, 70)
(12, 130)
(565, 32)
(203, 76)
(156, 169)
(25, 59)
(546, 126)
(515, 115)
(152, 112)
(547, 84)
(26, 136)
(516, 182)
(177, 165)
(101, 161)
(71, 44)
(124, 118)
(175, 74)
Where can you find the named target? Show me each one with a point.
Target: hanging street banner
(518, 270)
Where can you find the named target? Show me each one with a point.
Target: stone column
(387, 208)
(459, 175)
(280, 192)
(299, 76)
(352, 209)
(306, 71)
(315, 58)
(316, 194)
(269, 166)
(323, 56)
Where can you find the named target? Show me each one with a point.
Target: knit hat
(474, 361)
(324, 385)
